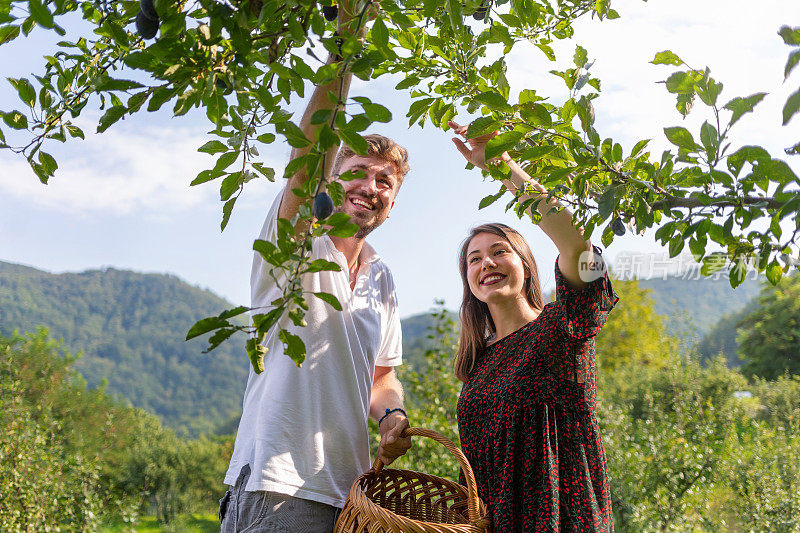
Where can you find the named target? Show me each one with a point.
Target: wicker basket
(385, 500)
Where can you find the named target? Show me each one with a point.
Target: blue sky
(122, 198)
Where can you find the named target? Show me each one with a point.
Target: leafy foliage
(431, 395)
(634, 334)
(72, 458)
(242, 61)
(688, 451)
(770, 335)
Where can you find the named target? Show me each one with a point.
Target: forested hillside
(703, 300)
(130, 329)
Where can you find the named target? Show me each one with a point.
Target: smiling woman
(527, 410)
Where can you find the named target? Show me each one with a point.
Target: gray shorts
(242, 511)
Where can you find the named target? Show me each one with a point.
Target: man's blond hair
(378, 146)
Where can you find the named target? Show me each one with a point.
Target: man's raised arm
(348, 18)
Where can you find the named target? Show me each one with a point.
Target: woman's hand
(476, 152)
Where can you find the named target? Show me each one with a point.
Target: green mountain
(130, 329)
(699, 301)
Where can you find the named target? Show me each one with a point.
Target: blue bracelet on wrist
(389, 411)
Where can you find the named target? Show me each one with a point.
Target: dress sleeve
(582, 312)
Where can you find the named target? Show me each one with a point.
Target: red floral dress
(527, 418)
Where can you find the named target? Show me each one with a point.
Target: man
(303, 437)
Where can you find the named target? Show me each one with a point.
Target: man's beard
(365, 226)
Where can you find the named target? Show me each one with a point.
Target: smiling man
(303, 437)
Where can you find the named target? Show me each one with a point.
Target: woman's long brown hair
(476, 322)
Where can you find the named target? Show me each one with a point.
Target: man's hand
(392, 444)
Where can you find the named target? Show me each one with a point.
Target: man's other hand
(392, 444)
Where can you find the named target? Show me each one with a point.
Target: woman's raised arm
(556, 219)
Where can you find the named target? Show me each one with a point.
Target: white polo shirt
(304, 430)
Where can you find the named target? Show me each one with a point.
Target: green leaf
(8, 33)
(205, 325)
(637, 149)
(602, 6)
(676, 245)
(354, 141)
(213, 147)
(607, 202)
(230, 185)
(586, 113)
(379, 34)
(48, 163)
(794, 58)
(112, 115)
(482, 126)
(117, 33)
(112, 84)
(667, 58)
(346, 230)
(709, 138)
(737, 274)
(226, 160)
(40, 14)
(494, 101)
(791, 36)
(774, 272)
(740, 105)
(546, 50)
(227, 209)
(499, 144)
(581, 56)
(319, 265)
(256, 352)
(537, 114)
(377, 112)
(330, 299)
(681, 138)
(791, 107)
(455, 15)
(206, 175)
(293, 346)
(294, 135)
(492, 198)
(218, 338)
(25, 91)
(236, 311)
(418, 108)
(708, 90)
(16, 120)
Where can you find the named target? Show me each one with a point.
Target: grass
(193, 523)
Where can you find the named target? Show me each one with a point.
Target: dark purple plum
(146, 27)
(330, 12)
(148, 9)
(323, 206)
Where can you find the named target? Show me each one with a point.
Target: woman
(526, 412)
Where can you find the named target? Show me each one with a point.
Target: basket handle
(472, 489)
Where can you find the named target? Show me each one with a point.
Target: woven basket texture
(386, 500)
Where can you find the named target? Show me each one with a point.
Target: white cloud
(130, 169)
